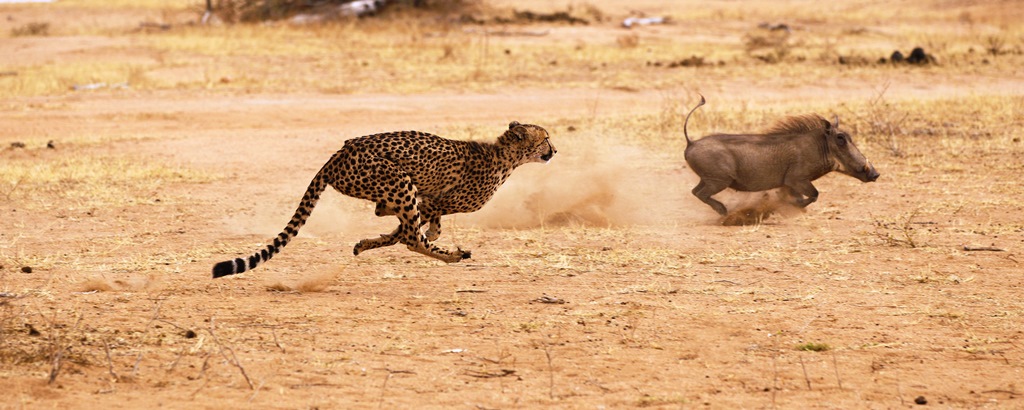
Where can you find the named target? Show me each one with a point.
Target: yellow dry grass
(401, 54)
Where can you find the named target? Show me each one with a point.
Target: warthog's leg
(802, 192)
(706, 188)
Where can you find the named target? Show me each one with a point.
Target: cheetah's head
(531, 142)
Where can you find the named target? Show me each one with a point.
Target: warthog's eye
(841, 138)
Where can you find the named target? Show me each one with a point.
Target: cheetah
(417, 177)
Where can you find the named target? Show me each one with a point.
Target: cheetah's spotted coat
(417, 177)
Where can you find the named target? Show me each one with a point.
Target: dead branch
(273, 330)
(551, 372)
(836, 367)
(490, 375)
(225, 351)
(110, 362)
(983, 248)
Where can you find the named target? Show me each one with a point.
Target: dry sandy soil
(597, 281)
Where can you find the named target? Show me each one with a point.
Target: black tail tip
(223, 269)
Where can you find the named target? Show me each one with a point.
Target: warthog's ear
(827, 125)
(835, 121)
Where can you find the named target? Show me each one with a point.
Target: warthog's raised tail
(688, 141)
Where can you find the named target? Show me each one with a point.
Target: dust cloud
(752, 208)
(589, 183)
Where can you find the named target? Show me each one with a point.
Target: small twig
(490, 375)
(172, 324)
(1002, 391)
(551, 372)
(471, 291)
(836, 367)
(775, 369)
(383, 389)
(110, 362)
(206, 365)
(205, 382)
(276, 343)
(138, 359)
(175, 362)
(983, 248)
(257, 391)
(156, 313)
(899, 391)
(56, 364)
(804, 367)
(233, 359)
(549, 299)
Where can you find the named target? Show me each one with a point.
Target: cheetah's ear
(517, 130)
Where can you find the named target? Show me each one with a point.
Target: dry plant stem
(225, 351)
(551, 371)
(775, 370)
(273, 331)
(135, 368)
(253, 396)
(58, 348)
(110, 363)
(383, 389)
(205, 382)
(175, 362)
(899, 391)
(839, 381)
(983, 248)
(804, 367)
(156, 313)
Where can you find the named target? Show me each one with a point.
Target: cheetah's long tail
(309, 200)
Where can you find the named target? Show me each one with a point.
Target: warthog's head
(531, 142)
(845, 155)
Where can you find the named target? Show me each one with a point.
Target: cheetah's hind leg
(387, 239)
(400, 200)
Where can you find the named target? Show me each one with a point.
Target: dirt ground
(597, 280)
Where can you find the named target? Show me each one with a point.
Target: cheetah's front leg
(429, 215)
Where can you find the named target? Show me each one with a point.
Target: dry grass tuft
(31, 29)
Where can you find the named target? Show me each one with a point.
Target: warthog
(790, 154)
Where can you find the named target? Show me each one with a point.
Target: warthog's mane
(797, 124)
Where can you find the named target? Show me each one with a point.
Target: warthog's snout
(871, 173)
